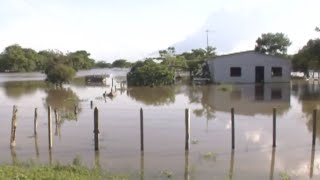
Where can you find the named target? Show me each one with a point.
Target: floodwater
(210, 155)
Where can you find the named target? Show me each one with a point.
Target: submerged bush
(149, 73)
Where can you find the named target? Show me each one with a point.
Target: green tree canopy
(60, 73)
(102, 64)
(17, 59)
(308, 57)
(273, 44)
(150, 73)
(121, 63)
(80, 60)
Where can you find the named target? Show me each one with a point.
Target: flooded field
(210, 155)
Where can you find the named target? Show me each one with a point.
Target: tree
(150, 73)
(121, 63)
(317, 29)
(102, 64)
(80, 60)
(60, 73)
(273, 44)
(17, 59)
(307, 58)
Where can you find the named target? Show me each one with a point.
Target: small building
(97, 79)
(249, 67)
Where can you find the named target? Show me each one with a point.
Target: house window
(276, 71)
(235, 71)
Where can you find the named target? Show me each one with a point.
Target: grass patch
(284, 176)
(54, 172)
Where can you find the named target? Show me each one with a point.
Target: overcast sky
(111, 29)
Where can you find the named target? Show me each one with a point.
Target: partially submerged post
(96, 129)
(274, 127)
(13, 127)
(141, 130)
(56, 115)
(91, 104)
(49, 128)
(314, 129)
(75, 110)
(35, 123)
(232, 128)
(187, 122)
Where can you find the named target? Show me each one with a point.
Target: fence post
(141, 130)
(35, 123)
(187, 122)
(49, 127)
(75, 110)
(13, 127)
(232, 128)
(314, 127)
(274, 127)
(96, 129)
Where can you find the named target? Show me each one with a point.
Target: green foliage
(17, 59)
(60, 73)
(47, 172)
(308, 57)
(150, 73)
(121, 63)
(273, 43)
(80, 60)
(102, 64)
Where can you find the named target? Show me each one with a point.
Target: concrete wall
(220, 67)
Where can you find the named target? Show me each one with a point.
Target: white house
(249, 67)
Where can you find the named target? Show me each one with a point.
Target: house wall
(247, 61)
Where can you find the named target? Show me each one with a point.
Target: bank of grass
(54, 172)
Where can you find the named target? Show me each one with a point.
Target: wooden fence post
(314, 128)
(274, 127)
(232, 128)
(49, 128)
(96, 129)
(141, 130)
(35, 123)
(187, 122)
(75, 110)
(13, 127)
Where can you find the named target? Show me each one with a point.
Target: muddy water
(210, 155)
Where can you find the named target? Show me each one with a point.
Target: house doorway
(259, 74)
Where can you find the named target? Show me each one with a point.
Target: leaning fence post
(141, 130)
(49, 128)
(232, 128)
(314, 127)
(187, 122)
(96, 129)
(13, 127)
(274, 127)
(35, 123)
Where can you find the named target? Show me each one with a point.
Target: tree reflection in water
(16, 89)
(156, 96)
(64, 100)
(199, 95)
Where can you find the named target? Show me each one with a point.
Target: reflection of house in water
(249, 99)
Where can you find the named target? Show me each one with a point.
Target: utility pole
(207, 31)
